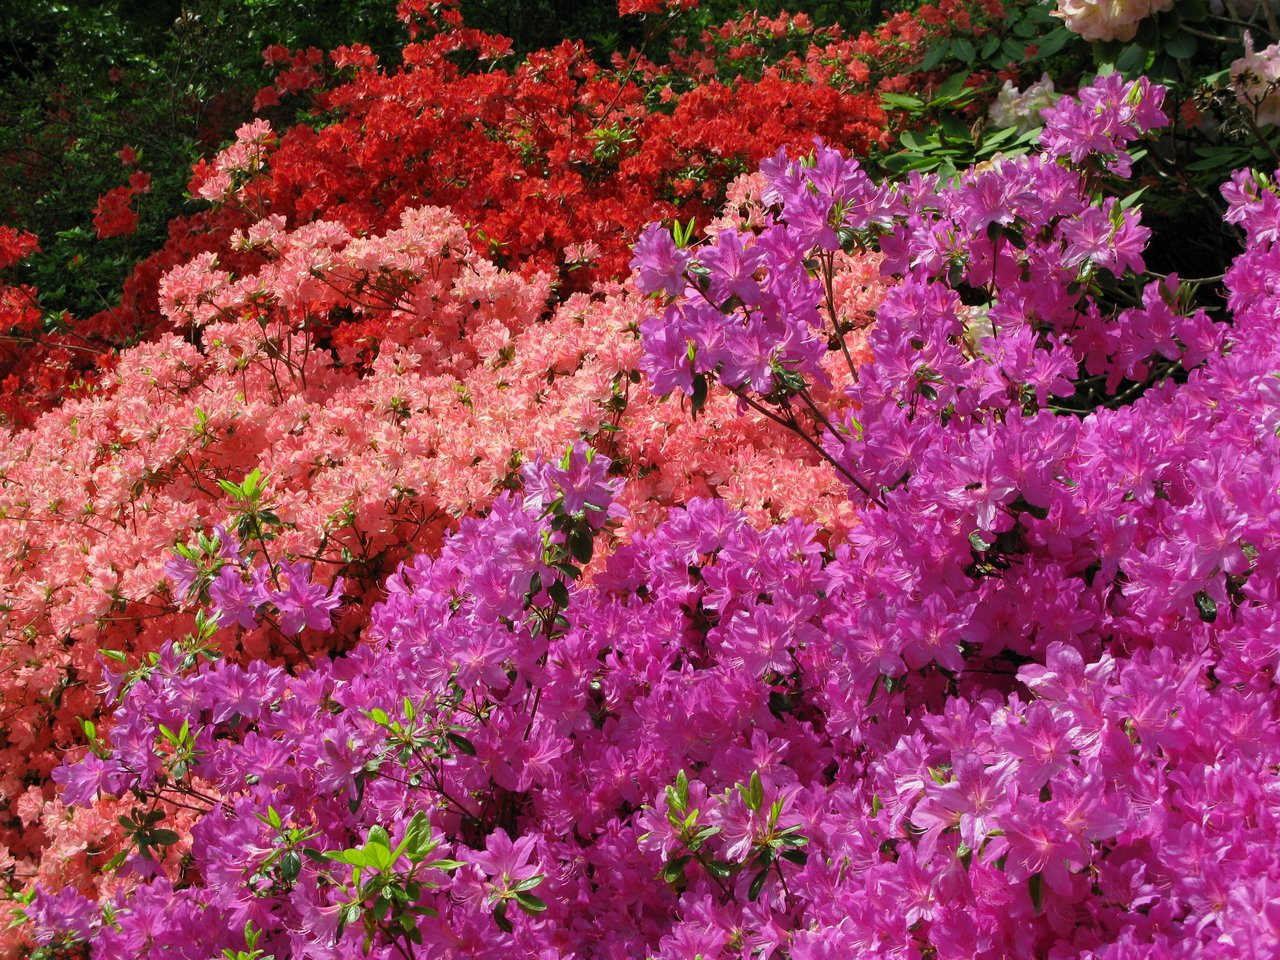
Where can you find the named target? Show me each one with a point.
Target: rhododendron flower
(1103, 120)
(658, 263)
(1107, 19)
(83, 781)
(1022, 108)
(506, 862)
(579, 481)
(182, 573)
(113, 216)
(236, 601)
(1256, 78)
(1021, 704)
(631, 7)
(65, 916)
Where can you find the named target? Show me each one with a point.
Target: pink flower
(506, 862)
(302, 603)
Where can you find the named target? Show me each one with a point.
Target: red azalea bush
(534, 160)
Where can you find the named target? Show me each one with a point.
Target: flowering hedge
(885, 567)
(1022, 707)
(552, 163)
(259, 350)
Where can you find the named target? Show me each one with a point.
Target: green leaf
(500, 918)
(529, 883)
(698, 399)
(962, 49)
(902, 101)
(933, 57)
(568, 569)
(1132, 57)
(353, 857)
(757, 885)
(1207, 606)
(581, 546)
(1052, 42)
(1132, 198)
(1035, 887)
(379, 857)
(446, 864)
(162, 838)
(1180, 46)
(417, 842)
(673, 871)
(953, 86)
(461, 744)
(754, 794)
(559, 593)
(529, 903)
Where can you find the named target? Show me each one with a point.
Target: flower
(1256, 78)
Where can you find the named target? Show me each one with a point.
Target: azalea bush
(92, 93)
(999, 714)
(550, 160)
(697, 506)
(302, 341)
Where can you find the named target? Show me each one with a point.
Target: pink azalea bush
(1026, 706)
(367, 450)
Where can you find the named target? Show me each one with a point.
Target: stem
(828, 282)
(724, 891)
(793, 425)
(1251, 118)
(1215, 37)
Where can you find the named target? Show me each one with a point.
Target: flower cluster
(1256, 78)
(410, 588)
(312, 467)
(536, 157)
(1022, 108)
(1030, 685)
(233, 167)
(113, 216)
(1107, 19)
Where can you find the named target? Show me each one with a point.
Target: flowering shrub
(535, 160)
(1256, 74)
(449, 372)
(1021, 108)
(1024, 708)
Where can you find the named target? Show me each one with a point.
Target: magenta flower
(302, 603)
(236, 601)
(658, 263)
(82, 782)
(506, 862)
